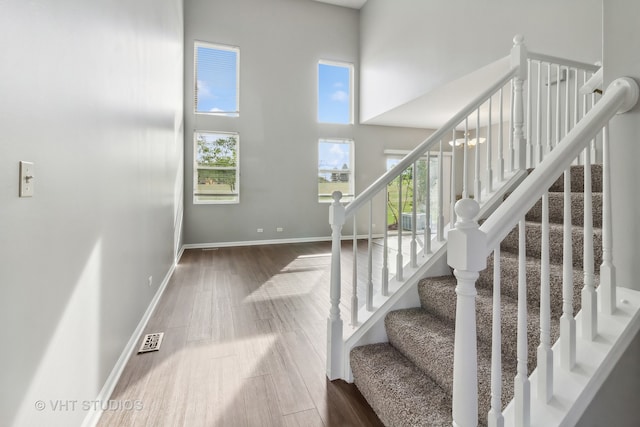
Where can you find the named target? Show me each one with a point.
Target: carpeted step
(438, 297)
(400, 393)
(577, 180)
(428, 342)
(556, 209)
(534, 243)
(509, 281)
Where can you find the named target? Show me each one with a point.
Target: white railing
(469, 245)
(494, 147)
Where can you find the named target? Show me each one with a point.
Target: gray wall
(280, 44)
(410, 47)
(91, 92)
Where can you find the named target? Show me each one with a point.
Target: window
(216, 172)
(335, 94)
(335, 169)
(216, 79)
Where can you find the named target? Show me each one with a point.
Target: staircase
(409, 380)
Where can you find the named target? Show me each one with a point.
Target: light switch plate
(27, 171)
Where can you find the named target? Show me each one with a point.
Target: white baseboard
(270, 242)
(92, 418)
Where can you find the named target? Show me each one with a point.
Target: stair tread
(428, 342)
(400, 393)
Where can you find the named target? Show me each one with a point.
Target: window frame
(325, 197)
(350, 67)
(196, 168)
(217, 46)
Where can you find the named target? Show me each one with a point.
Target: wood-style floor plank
(245, 345)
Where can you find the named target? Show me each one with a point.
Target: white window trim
(196, 168)
(209, 45)
(350, 66)
(351, 171)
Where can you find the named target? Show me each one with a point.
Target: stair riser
(556, 209)
(577, 180)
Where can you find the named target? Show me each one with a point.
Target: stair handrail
(620, 97)
(415, 154)
(469, 246)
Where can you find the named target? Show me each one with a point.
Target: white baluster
(607, 269)
(558, 113)
(539, 147)
(354, 275)
(501, 140)
(427, 208)
(512, 152)
(549, 143)
(495, 418)
(467, 255)
(453, 193)
(334, 322)
(399, 254)
(413, 256)
(489, 184)
(589, 296)
(385, 246)
(440, 234)
(522, 387)
(567, 322)
(465, 162)
(567, 111)
(529, 134)
(545, 354)
(477, 183)
(370, 260)
(518, 58)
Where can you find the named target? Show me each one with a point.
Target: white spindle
(467, 255)
(334, 322)
(489, 184)
(594, 151)
(427, 208)
(454, 192)
(567, 111)
(512, 130)
(477, 183)
(495, 418)
(518, 56)
(529, 117)
(399, 254)
(465, 160)
(354, 277)
(522, 387)
(549, 143)
(370, 259)
(545, 354)
(501, 140)
(607, 270)
(539, 147)
(440, 234)
(558, 113)
(589, 296)
(385, 246)
(576, 96)
(413, 256)
(567, 322)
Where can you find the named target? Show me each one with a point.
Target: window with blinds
(216, 79)
(335, 169)
(216, 168)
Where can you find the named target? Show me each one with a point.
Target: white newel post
(334, 322)
(467, 254)
(519, 59)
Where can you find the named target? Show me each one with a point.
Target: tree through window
(216, 177)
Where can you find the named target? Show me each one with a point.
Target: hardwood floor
(244, 345)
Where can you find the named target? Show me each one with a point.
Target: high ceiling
(353, 4)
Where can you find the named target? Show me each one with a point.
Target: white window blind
(216, 79)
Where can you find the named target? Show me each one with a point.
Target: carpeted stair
(408, 381)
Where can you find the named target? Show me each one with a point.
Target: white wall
(280, 44)
(91, 92)
(409, 47)
(621, 44)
